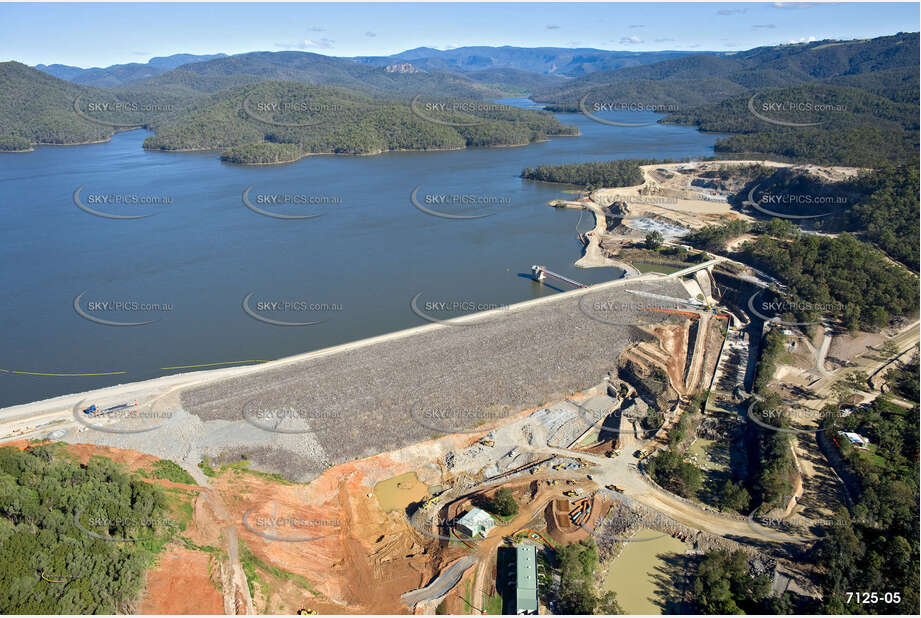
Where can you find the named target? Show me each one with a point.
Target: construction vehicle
(430, 502)
(486, 442)
(306, 612)
(570, 493)
(94, 411)
(643, 453)
(614, 488)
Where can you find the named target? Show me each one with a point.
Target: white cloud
(764, 26)
(630, 40)
(665, 40)
(803, 39)
(799, 5)
(317, 29)
(323, 43)
(552, 27)
(637, 26)
(730, 11)
(370, 34)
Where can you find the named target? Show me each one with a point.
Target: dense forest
(723, 584)
(854, 127)
(52, 565)
(280, 121)
(618, 173)
(14, 144)
(849, 278)
(38, 108)
(839, 276)
(889, 214)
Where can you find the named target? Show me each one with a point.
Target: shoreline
(370, 154)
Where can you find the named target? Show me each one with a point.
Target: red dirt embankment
(354, 546)
(181, 584)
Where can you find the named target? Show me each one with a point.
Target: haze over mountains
(119, 74)
(557, 61)
(707, 77)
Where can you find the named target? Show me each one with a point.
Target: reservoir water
(351, 272)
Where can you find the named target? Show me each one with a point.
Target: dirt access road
(623, 472)
(237, 599)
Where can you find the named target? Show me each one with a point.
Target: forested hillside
(316, 119)
(39, 109)
(866, 92)
(305, 67)
(617, 173)
(880, 206)
(851, 126)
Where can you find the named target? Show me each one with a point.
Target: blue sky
(102, 34)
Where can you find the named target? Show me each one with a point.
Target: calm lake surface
(190, 266)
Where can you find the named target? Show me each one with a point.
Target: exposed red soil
(181, 584)
(356, 545)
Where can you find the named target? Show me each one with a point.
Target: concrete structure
(476, 522)
(526, 580)
(856, 439)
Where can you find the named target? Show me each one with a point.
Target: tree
(577, 564)
(723, 585)
(608, 605)
(669, 470)
(734, 497)
(842, 390)
(654, 240)
(889, 348)
(503, 503)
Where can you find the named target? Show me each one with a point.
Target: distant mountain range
(872, 84)
(708, 78)
(120, 74)
(558, 61)
(229, 71)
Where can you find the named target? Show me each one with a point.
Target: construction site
(571, 466)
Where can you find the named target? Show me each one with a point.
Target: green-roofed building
(526, 580)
